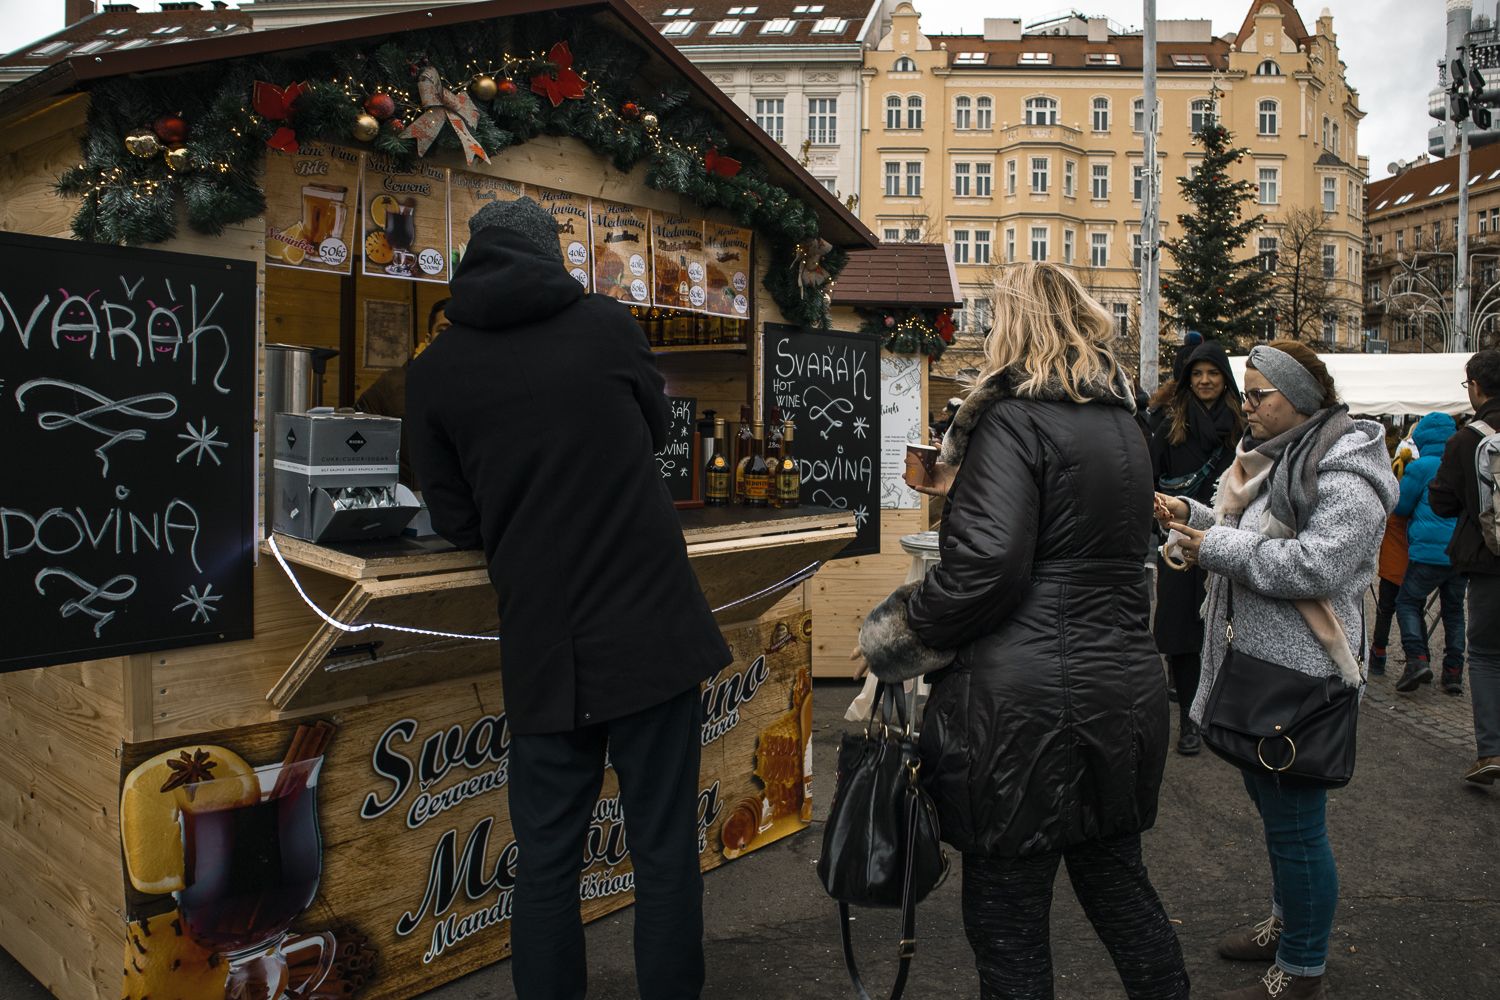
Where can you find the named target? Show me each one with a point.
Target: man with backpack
(1464, 490)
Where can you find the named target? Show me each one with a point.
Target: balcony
(1061, 134)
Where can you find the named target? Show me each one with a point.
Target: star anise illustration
(189, 768)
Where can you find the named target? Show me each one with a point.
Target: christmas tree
(1214, 290)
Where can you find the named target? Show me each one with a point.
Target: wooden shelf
(701, 349)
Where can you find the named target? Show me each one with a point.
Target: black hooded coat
(601, 614)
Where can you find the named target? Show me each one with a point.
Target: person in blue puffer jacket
(1429, 568)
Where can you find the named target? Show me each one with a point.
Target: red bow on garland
(716, 163)
(277, 104)
(564, 83)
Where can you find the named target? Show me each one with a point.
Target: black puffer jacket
(1049, 728)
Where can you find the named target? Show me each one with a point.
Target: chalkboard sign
(127, 401)
(678, 461)
(829, 384)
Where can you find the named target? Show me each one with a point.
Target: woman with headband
(1295, 529)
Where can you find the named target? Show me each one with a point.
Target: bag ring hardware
(1261, 757)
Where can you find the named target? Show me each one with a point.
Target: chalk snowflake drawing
(201, 441)
(861, 515)
(202, 604)
(861, 427)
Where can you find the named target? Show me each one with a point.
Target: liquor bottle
(716, 492)
(788, 485)
(741, 456)
(757, 472)
(773, 438)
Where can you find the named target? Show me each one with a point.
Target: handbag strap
(908, 946)
(1229, 620)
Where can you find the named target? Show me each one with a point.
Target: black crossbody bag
(1267, 718)
(880, 845)
(1190, 484)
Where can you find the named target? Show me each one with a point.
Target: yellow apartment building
(1025, 143)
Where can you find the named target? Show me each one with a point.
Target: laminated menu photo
(405, 215)
(467, 193)
(726, 253)
(311, 207)
(677, 262)
(622, 256)
(572, 214)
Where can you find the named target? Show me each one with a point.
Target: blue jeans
(1484, 661)
(1304, 876)
(1411, 611)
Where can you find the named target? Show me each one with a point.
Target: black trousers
(1006, 902)
(1385, 612)
(554, 783)
(1187, 669)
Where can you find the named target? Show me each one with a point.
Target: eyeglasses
(1258, 396)
(1466, 383)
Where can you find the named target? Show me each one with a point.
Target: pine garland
(911, 331)
(128, 199)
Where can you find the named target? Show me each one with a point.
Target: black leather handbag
(1264, 717)
(1190, 484)
(880, 845)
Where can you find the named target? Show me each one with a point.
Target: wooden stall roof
(914, 275)
(838, 225)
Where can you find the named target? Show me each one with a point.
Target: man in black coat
(1455, 493)
(604, 631)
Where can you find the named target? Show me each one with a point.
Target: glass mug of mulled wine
(322, 212)
(401, 233)
(253, 858)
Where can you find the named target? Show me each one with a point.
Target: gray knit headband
(1286, 373)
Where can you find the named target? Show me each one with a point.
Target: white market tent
(1393, 384)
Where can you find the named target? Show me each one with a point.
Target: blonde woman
(1046, 732)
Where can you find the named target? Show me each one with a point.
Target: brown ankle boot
(1278, 984)
(1255, 944)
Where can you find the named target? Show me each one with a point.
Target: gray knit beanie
(525, 218)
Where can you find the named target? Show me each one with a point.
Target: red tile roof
(1072, 52)
(916, 275)
(1292, 22)
(703, 16)
(1417, 185)
(115, 29)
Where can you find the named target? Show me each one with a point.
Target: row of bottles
(675, 328)
(761, 475)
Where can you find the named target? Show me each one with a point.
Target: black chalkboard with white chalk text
(828, 383)
(127, 405)
(678, 461)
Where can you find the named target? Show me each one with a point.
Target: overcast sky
(1391, 47)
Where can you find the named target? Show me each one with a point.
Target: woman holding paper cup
(1191, 447)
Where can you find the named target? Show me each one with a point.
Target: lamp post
(1150, 211)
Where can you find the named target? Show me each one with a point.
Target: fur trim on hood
(1002, 385)
(891, 648)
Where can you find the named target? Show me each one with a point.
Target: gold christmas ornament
(178, 158)
(484, 87)
(649, 120)
(365, 128)
(142, 144)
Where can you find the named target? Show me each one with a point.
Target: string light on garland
(911, 331)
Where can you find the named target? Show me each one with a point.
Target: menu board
(467, 194)
(726, 251)
(677, 262)
(829, 384)
(572, 214)
(622, 254)
(405, 215)
(677, 462)
(311, 207)
(900, 425)
(127, 503)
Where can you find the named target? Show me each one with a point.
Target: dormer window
(741, 11)
(729, 26)
(779, 26)
(1104, 59)
(971, 59)
(677, 28)
(830, 26)
(1191, 59)
(906, 64)
(1035, 59)
(1268, 67)
(803, 8)
(677, 12)
(170, 29)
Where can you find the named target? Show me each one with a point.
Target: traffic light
(1479, 114)
(1465, 88)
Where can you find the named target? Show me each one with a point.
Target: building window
(1380, 238)
(1038, 243)
(963, 113)
(981, 246)
(1040, 168)
(1101, 114)
(1099, 249)
(1353, 262)
(1330, 328)
(1010, 178)
(960, 246)
(1135, 250)
(971, 59)
(1353, 203)
(914, 112)
(677, 12)
(890, 235)
(984, 113)
(1416, 232)
(675, 29)
(1267, 124)
(737, 11)
(830, 26)
(1070, 178)
(1269, 180)
(1137, 181)
(1267, 254)
(779, 26)
(830, 184)
(913, 235)
(906, 64)
(893, 111)
(1122, 318)
(1198, 114)
(770, 115)
(892, 180)
(1138, 114)
(1337, 149)
(1067, 246)
(1104, 59)
(1400, 240)
(1268, 67)
(1189, 59)
(1099, 181)
(1372, 292)
(823, 120)
(1483, 228)
(1010, 246)
(961, 179)
(1330, 194)
(983, 180)
(1041, 111)
(729, 26)
(914, 179)
(1330, 260)
(1035, 59)
(1325, 133)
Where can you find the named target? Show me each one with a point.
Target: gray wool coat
(1333, 557)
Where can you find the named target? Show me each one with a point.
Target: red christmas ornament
(396, 124)
(170, 129)
(890, 321)
(380, 106)
(630, 109)
(507, 87)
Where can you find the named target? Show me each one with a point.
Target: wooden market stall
(155, 636)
